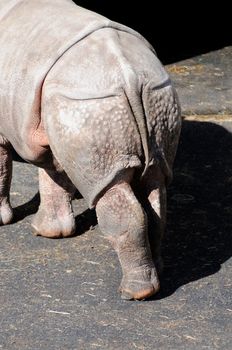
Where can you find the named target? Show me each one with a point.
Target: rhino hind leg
(122, 220)
(55, 218)
(6, 212)
(155, 192)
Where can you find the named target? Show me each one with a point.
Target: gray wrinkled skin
(87, 100)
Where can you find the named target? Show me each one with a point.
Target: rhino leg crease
(6, 212)
(122, 219)
(55, 217)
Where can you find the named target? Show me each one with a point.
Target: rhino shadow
(27, 208)
(198, 239)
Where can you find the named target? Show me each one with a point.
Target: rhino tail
(133, 92)
(136, 93)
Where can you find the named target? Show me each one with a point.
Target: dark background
(177, 30)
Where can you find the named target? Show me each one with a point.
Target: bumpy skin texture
(89, 103)
(127, 230)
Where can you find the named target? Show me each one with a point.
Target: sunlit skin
(88, 102)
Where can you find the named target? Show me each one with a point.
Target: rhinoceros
(87, 101)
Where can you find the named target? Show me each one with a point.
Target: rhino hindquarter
(85, 106)
(89, 105)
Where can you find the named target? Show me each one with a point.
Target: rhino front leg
(6, 212)
(55, 217)
(123, 221)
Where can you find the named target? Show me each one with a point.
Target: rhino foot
(55, 218)
(139, 284)
(53, 225)
(6, 213)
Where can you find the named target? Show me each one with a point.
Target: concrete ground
(62, 294)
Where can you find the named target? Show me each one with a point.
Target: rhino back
(33, 36)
